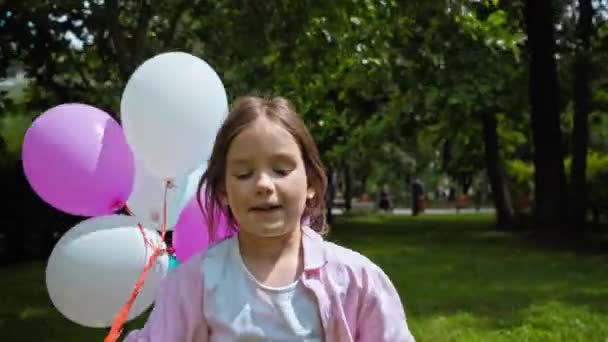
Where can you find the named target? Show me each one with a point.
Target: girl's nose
(264, 184)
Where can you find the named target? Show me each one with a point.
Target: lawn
(459, 281)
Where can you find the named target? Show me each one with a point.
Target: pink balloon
(76, 158)
(191, 233)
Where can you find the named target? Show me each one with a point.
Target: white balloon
(93, 268)
(171, 109)
(148, 196)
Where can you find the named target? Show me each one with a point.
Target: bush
(597, 183)
(520, 179)
(520, 172)
(520, 176)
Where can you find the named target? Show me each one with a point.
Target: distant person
(462, 201)
(452, 193)
(478, 199)
(385, 201)
(417, 197)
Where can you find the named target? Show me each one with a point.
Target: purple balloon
(76, 158)
(191, 233)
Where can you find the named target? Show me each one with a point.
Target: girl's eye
(243, 176)
(282, 172)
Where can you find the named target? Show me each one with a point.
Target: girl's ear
(310, 194)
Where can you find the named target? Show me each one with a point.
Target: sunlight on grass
(459, 280)
(552, 321)
(33, 312)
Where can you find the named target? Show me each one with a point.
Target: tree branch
(87, 82)
(118, 38)
(143, 23)
(170, 33)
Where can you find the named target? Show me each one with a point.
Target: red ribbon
(121, 317)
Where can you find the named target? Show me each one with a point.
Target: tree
(582, 109)
(551, 193)
(85, 51)
(496, 170)
(476, 50)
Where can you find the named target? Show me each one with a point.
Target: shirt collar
(314, 250)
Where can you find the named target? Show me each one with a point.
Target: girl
(277, 279)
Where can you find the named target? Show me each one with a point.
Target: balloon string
(123, 313)
(163, 228)
(141, 229)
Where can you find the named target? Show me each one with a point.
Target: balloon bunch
(81, 161)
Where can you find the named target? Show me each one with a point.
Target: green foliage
(520, 180)
(598, 139)
(364, 74)
(597, 163)
(520, 172)
(514, 135)
(12, 130)
(597, 179)
(521, 176)
(474, 47)
(496, 31)
(15, 119)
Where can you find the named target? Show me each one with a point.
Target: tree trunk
(495, 169)
(582, 107)
(465, 181)
(363, 185)
(14, 226)
(330, 195)
(550, 178)
(348, 187)
(118, 40)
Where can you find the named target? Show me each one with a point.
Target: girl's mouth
(265, 208)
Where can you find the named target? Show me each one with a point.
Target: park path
(430, 211)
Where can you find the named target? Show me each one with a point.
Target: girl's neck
(269, 249)
(273, 261)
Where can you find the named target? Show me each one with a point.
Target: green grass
(459, 281)
(462, 281)
(27, 314)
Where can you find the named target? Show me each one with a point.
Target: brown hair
(245, 111)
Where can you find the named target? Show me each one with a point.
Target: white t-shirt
(242, 309)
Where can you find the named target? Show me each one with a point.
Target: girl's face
(266, 185)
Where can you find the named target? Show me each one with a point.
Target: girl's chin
(268, 230)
